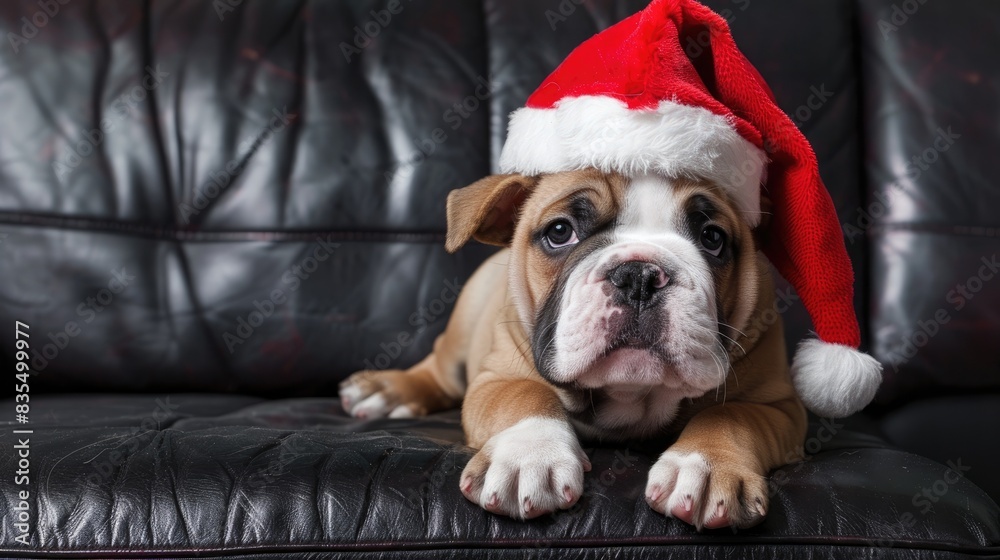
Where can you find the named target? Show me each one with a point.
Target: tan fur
(753, 424)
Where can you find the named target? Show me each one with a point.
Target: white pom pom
(834, 380)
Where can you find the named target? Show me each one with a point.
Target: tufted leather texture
(212, 160)
(259, 214)
(182, 475)
(256, 146)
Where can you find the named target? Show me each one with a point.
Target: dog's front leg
(715, 474)
(529, 461)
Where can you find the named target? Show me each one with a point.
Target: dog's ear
(486, 210)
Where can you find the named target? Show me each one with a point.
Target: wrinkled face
(632, 283)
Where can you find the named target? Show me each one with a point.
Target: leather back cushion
(269, 180)
(932, 117)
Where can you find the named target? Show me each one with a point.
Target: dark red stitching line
(522, 544)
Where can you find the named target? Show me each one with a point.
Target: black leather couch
(211, 212)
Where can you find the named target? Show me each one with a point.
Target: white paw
(371, 407)
(362, 404)
(690, 488)
(534, 467)
(368, 395)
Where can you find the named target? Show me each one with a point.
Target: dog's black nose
(638, 281)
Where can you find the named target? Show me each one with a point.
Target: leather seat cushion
(189, 474)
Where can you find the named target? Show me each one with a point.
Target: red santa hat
(667, 91)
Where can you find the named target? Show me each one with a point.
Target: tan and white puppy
(621, 310)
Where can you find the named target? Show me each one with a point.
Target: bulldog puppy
(621, 310)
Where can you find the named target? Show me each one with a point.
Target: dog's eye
(560, 234)
(713, 239)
